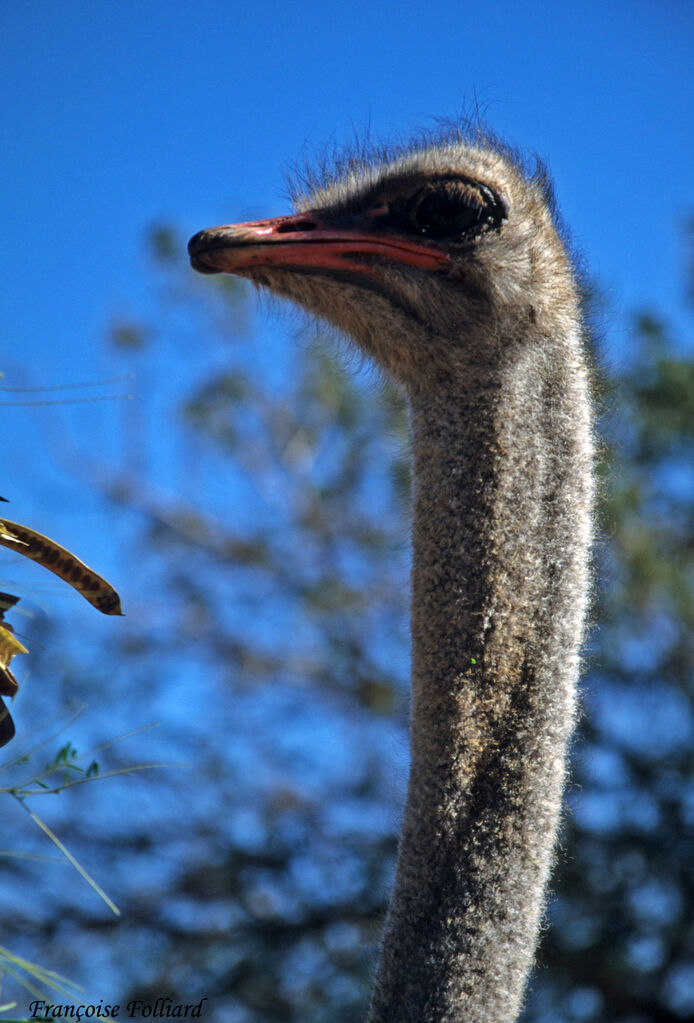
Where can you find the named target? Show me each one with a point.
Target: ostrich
(444, 263)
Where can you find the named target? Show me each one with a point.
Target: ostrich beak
(301, 241)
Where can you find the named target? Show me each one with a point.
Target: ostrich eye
(453, 210)
(445, 216)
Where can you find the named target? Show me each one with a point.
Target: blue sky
(119, 113)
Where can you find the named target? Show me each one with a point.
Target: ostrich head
(444, 264)
(431, 262)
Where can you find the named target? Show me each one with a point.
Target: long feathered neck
(502, 503)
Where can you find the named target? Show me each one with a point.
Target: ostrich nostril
(290, 226)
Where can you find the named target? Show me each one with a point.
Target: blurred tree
(621, 942)
(264, 488)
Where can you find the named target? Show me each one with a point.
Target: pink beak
(301, 241)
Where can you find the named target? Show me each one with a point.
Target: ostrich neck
(502, 498)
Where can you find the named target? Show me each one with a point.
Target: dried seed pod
(62, 563)
(9, 646)
(6, 724)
